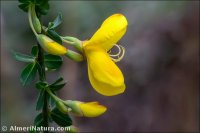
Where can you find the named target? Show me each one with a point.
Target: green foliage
(37, 61)
(40, 101)
(54, 35)
(56, 22)
(34, 50)
(24, 7)
(57, 81)
(42, 6)
(52, 62)
(23, 57)
(51, 29)
(53, 87)
(28, 74)
(41, 85)
(51, 101)
(60, 118)
(38, 120)
(57, 85)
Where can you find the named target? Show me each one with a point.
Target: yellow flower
(87, 109)
(104, 75)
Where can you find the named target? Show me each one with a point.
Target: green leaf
(53, 35)
(57, 81)
(52, 61)
(24, 1)
(42, 6)
(24, 7)
(40, 101)
(34, 50)
(56, 22)
(39, 120)
(28, 74)
(41, 85)
(57, 87)
(51, 101)
(40, 72)
(23, 57)
(60, 118)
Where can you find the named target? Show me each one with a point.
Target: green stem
(53, 96)
(30, 20)
(42, 75)
(73, 42)
(57, 99)
(45, 111)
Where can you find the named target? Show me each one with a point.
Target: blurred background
(160, 65)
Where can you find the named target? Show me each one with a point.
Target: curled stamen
(119, 55)
(110, 51)
(119, 48)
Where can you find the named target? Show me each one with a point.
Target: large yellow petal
(110, 32)
(104, 75)
(92, 109)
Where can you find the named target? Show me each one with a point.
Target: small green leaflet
(51, 101)
(57, 81)
(41, 85)
(57, 85)
(56, 22)
(52, 62)
(34, 50)
(40, 101)
(39, 120)
(42, 6)
(54, 35)
(28, 74)
(24, 7)
(23, 57)
(51, 29)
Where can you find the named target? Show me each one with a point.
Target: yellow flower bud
(50, 46)
(88, 109)
(92, 109)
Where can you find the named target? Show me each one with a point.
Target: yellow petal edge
(110, 32)
(92, 109)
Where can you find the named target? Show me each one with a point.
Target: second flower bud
(52, 47)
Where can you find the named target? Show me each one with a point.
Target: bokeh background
(160, 65)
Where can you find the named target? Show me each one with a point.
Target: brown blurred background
(160, 65)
